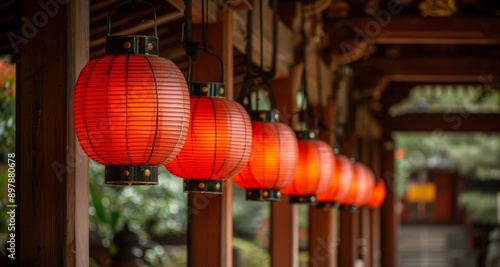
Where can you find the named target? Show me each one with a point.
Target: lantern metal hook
(128, 2)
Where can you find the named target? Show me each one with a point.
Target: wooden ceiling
(387, 52)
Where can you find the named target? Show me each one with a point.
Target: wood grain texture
(45, 213)
(78, 181)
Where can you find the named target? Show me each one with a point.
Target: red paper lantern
(273, 159)
(131, 110)
(219, 140)
(362, 185)
(340, 184)
(314, 169)
(378, 195)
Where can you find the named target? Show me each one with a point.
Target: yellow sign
(421, 192)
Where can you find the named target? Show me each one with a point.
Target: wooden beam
(52, 181)
(433, 69)
(285, 39)
(387, 28)
(455, 122)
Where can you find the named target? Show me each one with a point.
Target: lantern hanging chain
(306, 106)
(318, 70)
(204, 22)
(190, 46)
(250, 85)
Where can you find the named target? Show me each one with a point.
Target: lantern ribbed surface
(273, 158)
(362, 185)
(341, 181)
(314, 169)
(219, 141)
(378, 195)
(131, 110)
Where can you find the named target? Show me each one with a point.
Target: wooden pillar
(322, 237)
(323, 222)
(349, 235)
(210, 225)
(375, 237)
(349, 220)
(375, 214)
(389, 220)
(284, 240)
(364, 214)
(52, 171)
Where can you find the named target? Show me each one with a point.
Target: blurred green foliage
(475, 156)
(7, 129)
(155, 210)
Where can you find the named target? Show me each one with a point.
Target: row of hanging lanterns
(134, 112)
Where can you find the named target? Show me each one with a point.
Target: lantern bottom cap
(131, 175)
(311, 200)
(327, 205)
(263, 194)
(203, 186)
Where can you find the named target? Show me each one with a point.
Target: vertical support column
(375, 237)
(78, 44)
(227, 198)
(52, 182)
(323, 223)
(284, 240)
(210, 225)
(322, 237)
(349, 235)
(349, 220)
(389, 220)
(364, 214)
(375, 214)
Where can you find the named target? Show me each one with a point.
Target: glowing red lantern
(273, 158)
(131, 110)
(378, 195)
(362, 185)
(340, 184)
(314, 169)
(219, 140)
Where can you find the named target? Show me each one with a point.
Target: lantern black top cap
(307, 135)
(265, 115)
(132, 44)
(207, 89)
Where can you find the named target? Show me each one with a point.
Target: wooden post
(210, 226)
(364, 215)
(349, 235)
(389, 220)
(375, 237)
(284, 240)
(349, 220)
(322, 237)
(52, 181)
(375, 214)
(323, 223)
